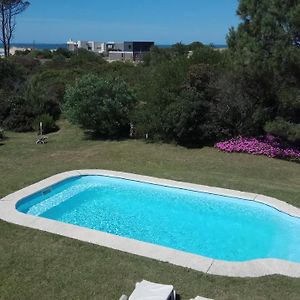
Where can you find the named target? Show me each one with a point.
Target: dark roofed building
(131, 50)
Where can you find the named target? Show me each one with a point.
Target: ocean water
(200, 223)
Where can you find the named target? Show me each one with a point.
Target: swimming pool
(209, 225)
(208, 229)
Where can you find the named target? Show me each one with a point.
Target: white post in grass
(41, 128)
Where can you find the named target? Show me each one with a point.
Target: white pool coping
(253, 268)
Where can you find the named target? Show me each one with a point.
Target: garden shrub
(242, 105)
(101, 105)
(45, 93)
(48, 122)
(12, 75)
(63, 52)
(21, 116)
(41, 54)
(84, 57)
(28, 63)
(284, 129)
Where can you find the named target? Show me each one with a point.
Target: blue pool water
(209, 225)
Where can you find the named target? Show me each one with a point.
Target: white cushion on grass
(147, 290)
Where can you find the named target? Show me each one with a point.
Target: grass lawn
(38, 265)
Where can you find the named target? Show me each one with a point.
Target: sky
(162, 21)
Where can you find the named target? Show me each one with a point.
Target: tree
(9, 9)
(186, 119)
(164, 84)
(100, 105)
(45, 92)
(179, 50)
(268, 36)
(194, 46)
(239, 107)
(208, 55)
(266, 46)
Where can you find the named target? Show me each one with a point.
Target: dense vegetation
(193, 95)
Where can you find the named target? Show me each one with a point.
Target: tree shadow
(2, 141)
(92, 136)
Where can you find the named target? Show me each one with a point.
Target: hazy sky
(164, 21)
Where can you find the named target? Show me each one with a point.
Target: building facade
(130, 50)
(97, 47)
(115, 51)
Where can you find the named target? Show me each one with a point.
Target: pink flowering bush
(268, 146)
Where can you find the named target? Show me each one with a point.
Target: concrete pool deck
(254, 268)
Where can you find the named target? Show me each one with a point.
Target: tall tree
(9, 9)
(268, 36)
(266, 46)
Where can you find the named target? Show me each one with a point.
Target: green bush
(164, 84)
(45, 92)
(12, 75)
(210, 56)
(63, 52)
(284, 129)
(176, 106)
(242, 105)
(100, 105)
(20, 115)
(28, 63)
(58, 59)
(186, 119)
(289, 104)
(48, 123)
(84, 57)
(41, 54)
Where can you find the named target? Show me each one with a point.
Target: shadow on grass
(90, 135)
(3, 140)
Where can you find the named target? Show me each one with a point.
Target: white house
(98, 47)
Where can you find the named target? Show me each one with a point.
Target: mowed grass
(38, 265)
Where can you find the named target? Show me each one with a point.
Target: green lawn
(38, 265)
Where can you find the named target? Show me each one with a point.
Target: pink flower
(269, 146)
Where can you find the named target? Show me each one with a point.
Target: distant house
(115, 51)
(97, 47)
(130, 51)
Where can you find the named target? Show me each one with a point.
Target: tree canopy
(268, 36)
